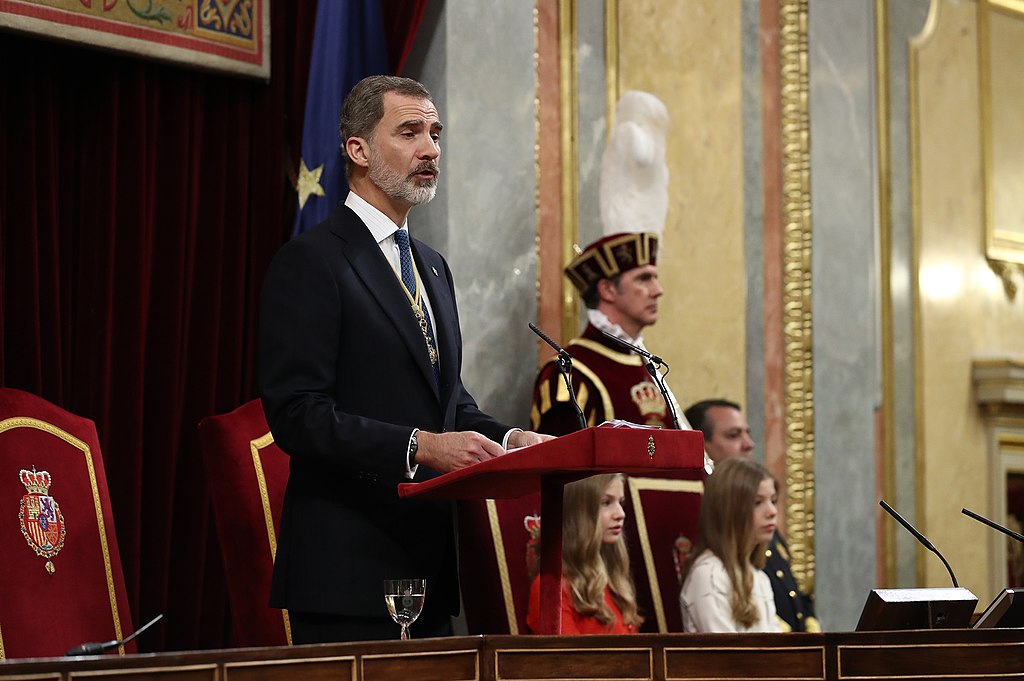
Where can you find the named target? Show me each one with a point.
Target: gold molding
(797, 311)
(569, 103)
(1005, 457)
(998, 385)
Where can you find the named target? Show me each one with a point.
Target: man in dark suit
(360, 363)
(727, 436)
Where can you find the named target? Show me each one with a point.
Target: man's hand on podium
(525, 438)
(447, 452)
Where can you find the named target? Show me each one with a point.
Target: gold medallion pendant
(421, 319)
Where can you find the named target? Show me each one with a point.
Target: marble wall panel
(478, 59)
(845, 311)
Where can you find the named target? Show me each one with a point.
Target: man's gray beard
(398, 186)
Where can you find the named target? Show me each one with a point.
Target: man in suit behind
(360, 376)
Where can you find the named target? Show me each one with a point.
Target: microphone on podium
(994, 525)
(636, 348)
(102, 647)
(920, 537)
(1007, 609)
(924, 608)
(653, 364)
(565, 368)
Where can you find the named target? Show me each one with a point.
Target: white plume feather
(634, 175)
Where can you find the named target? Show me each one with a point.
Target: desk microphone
(562, 353)
(994, 525)
(920, 537)
(97, 648)
(635, 348)
(564, 363)
(653, 364)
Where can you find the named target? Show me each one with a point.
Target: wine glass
(404, 598)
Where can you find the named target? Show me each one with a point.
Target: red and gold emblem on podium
(42, 523)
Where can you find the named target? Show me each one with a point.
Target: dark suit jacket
(345, 377)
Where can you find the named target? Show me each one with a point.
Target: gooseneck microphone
(994, 525)
(920, 537)
(653, 364)
(636, 348)
(565, 368)
(97, 648)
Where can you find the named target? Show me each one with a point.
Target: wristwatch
(414, 446)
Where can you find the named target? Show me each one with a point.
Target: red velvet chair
(61, 582)
(247, 474)
(662, 525)
(493, 542)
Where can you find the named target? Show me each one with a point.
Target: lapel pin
(434, 270)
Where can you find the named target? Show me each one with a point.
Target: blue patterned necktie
(409, 279)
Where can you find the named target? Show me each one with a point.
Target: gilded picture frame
(1000, 52)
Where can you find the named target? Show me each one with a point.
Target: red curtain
(401, 22)
(140, 204)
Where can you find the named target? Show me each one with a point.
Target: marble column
(477, 57)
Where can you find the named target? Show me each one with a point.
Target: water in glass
(404, 598)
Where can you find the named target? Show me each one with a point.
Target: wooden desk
(944, 654)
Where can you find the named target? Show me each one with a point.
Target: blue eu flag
(348, 45)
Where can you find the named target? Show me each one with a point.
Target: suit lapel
(372, 267)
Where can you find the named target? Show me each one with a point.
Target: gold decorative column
(797, 327)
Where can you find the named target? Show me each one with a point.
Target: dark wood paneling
(128, 672)
(460, 665)
(993, 654)
(935, 660)
(745, 663)
(570, 663)
(308, 669)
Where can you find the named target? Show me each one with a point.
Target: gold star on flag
(308, 182)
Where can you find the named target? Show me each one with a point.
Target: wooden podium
(548, 467)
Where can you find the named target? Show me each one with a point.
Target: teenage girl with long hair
(598, 596)
(724, 587)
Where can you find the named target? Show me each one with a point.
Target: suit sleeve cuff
(410, 467)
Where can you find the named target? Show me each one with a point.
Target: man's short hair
(591, 297)
(697, 415)
(364, 107)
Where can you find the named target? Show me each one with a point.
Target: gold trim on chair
(268, 516)
(661, 485)
(29, 422)
(502, 559)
